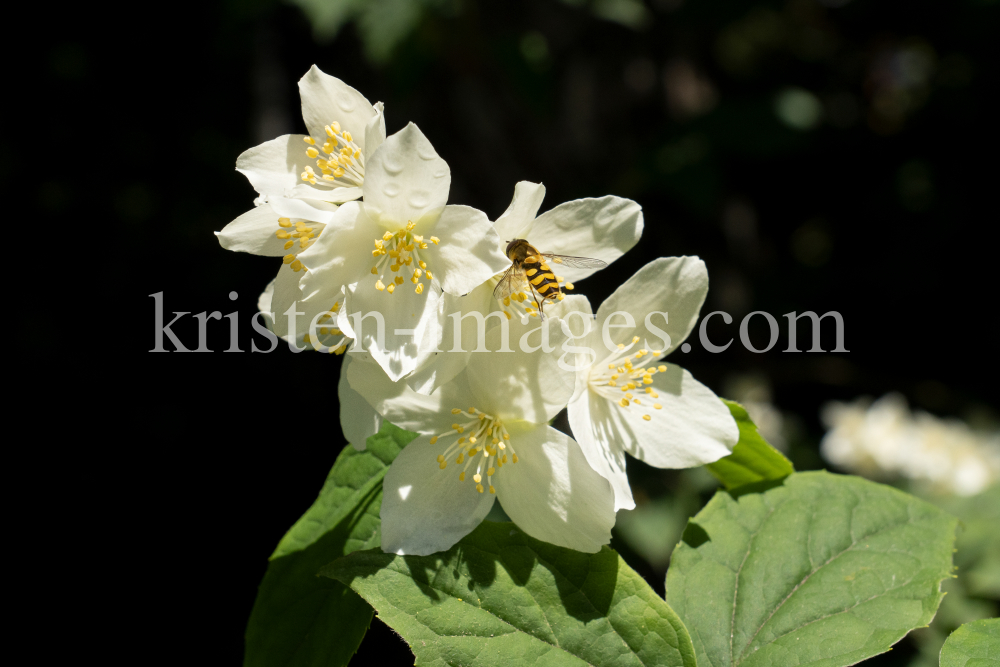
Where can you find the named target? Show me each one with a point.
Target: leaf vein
(808, 576)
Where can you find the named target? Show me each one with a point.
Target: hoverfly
(528, 266)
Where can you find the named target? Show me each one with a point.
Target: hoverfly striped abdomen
(541, 277)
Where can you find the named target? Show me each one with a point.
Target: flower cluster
(375, 262)
(884, 439)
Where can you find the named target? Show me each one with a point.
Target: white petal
(274, 166)
(674, 285)
(312, 210)
(412, 323)
(293, 325)
(254, 232)
(691, 429)
(358, 419)
(426, 509)
(341, 257)
(571, 303)
(264, 301)
(552, 494)
(285, 293)
(338, 195)
(516, 220)
(326, 99)
(404, 407)
(469, 251)
(519, 385)
(601, 448)
(375, 130)
(604, 228)
(442, 367)
(405, 180)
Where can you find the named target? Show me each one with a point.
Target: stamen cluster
(399, 250)
(345, 165)
(627, 375)
(494, 452)
(302, 232)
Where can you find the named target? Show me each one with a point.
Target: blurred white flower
(884, 439)
(753, 392)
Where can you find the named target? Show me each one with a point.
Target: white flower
(484, 435)
(329, 164)
(627, 401)
(884, 440)
(604, 229)
(397, 250)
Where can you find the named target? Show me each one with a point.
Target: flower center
(299, 232)
(329, 339)
(345, 165)
(486, 435)
(622, 374)
(397, 251)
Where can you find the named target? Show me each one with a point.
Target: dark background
(817, 155)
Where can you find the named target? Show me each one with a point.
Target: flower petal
(426, 509)
(358, 419)
(254, 232)
(312, 210)
(291, 317)
(405, 180)
(604, 228)
(375, 130)
(601, 449)
(404, 407)
(333, 195)
(264, 303)
(469, 251)
(520, 384)
(412, 323)
(691, 429)
(341, 257)
(552, 493)
(274, 166)
(515, 222)
(675, 285)
(440, 368)
(326, 99)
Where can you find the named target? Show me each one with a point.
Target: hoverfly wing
(576, 262)
(509, 283)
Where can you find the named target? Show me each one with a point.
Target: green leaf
(824, 570)
(499, 597)
(300, 619)
(975, 644)
(753, 460)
